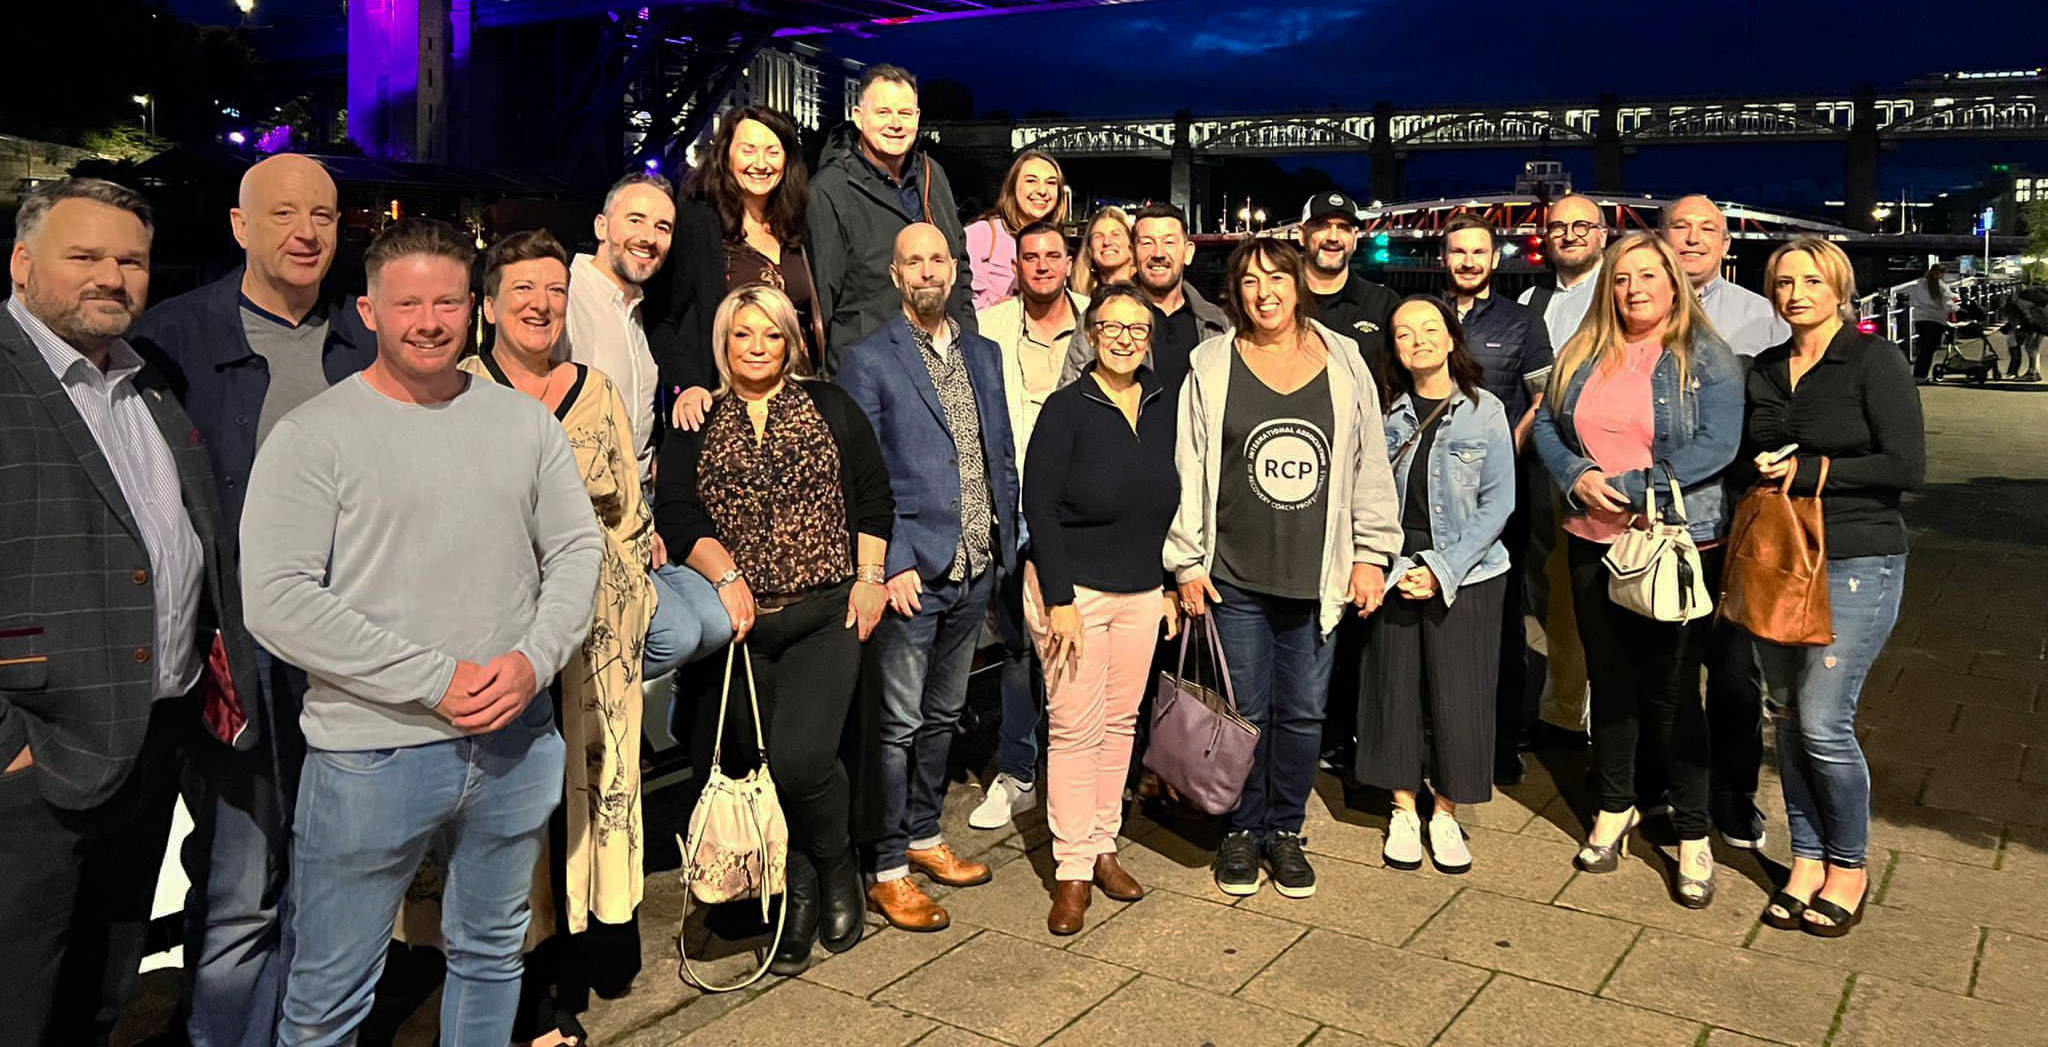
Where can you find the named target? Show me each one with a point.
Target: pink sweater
(992, 254)
(1617, 426)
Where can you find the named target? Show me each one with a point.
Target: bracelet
(869, 573)
(726, 579)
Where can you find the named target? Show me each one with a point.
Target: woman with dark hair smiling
(1033, 191)
(1427, 711)
(1287, 514)
(739, 221)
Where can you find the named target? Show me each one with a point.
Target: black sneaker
(1546, 736)
(1508, 769)
(1739, 823)
(1237, 864)
(1293, 876)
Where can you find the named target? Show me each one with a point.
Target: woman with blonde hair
(1035, 190)
(1846, 400)
(1646, 392)
(1106, 252)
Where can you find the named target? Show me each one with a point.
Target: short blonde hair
(1834, 266)
(776, 306)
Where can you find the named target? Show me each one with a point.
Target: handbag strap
(1180, 668)
(689, 971)
(737, 650)
(1395, 458)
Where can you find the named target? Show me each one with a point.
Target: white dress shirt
(1745, 319)
(605, 332)
(1566, 309)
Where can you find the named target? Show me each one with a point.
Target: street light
(148, 104)
(247, 7)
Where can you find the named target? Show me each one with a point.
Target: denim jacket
(1471, 489)
(1697, 432)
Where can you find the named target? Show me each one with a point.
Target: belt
(778, 601)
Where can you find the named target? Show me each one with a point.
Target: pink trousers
(1091, 718)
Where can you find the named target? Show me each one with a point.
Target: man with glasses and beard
(1347, 302)
(1574, 237)
(1513, 348)
(1163, 249)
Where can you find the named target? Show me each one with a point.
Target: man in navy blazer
(935, 396)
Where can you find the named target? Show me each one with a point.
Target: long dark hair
(713, 179)
(1465, 371)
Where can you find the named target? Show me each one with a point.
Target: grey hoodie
(854, 216)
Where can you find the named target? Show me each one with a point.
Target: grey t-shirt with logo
(293, 353)
(1274, 480)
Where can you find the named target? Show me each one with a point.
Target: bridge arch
(1485, 128)
(1294, 132)
(1714, 121)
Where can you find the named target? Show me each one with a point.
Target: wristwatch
(726, 579)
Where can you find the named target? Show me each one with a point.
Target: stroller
(1970, 352)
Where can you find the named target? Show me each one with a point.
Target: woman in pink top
(1034, 191)
(1644, 388)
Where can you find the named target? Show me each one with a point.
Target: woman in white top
(1932, 301)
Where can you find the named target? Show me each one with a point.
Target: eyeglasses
(1111, 330)
(1578, 230)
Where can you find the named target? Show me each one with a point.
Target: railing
(1891, 307)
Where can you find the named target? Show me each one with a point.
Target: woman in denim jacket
(1644, 382)
(1428, 705)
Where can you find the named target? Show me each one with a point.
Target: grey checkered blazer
(77, 623)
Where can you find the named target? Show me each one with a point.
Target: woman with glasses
(1099, 492)
(1287, 513)
(1106, 253)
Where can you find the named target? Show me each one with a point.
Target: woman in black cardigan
(739, 221)
(1845, 398)
(782, 499)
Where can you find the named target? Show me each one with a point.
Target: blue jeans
(922, 663)
(1280, 663)
(689, 620)
(1814, 691)
(1023, 703)
(364, 822)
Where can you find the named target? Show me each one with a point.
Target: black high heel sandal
(1791, 905)
(1840, 921)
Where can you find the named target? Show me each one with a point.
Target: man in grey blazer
(121, 641)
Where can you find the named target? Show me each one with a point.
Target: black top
(1274, 480)
(1858, 407)
(1172, 344)
(679, 513)
(1364, 312)
(1098, 497)
(1511, 344)
(1415, 501)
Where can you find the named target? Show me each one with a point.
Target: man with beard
(241, 353)
(934, 394)
(122, 651)
(1697, 231)
(1514, 351)
(1033, 329)
(1347, 302)
(422, 543)
(1163, 249)
(1574, 236)
(873, 180)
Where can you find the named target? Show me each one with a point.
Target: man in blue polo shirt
(241, 352)
(1513, 348)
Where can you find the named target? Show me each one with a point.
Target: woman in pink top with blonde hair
(1645, 389)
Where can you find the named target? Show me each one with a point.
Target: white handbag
(738, 844)
(1655, 571)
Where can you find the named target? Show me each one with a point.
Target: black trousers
(1530, 534)
(1426, 711)
(1645, 680)
(76, 889)
(1927, 339)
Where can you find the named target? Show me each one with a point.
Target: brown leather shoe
(1114, 881)
(906, 907)
(1069, 903)
(943, 866)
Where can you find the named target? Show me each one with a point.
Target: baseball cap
(1325, 204)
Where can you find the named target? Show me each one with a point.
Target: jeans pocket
(357, 761)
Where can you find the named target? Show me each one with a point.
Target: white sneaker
(1447, 850)
(1006, 798)
(1404, 840)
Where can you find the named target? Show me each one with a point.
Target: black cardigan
(682, 301)
(1099, 497)
(680, 516)
(1858, 407)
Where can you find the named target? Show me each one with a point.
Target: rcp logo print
(1288, 459)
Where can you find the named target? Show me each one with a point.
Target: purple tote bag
(1200, 745)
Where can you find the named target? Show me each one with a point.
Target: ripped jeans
(1813, 691)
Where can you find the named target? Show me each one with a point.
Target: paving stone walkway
(1524, 950)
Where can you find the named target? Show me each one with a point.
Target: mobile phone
(1781, 454)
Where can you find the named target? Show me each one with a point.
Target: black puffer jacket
(855, 214)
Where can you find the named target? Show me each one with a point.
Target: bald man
(1697, 230)
(241, 353)
(934, 394)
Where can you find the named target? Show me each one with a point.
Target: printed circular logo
(1288, 459)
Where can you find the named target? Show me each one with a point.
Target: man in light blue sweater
(423, 545)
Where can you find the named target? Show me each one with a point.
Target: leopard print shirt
(777, 500)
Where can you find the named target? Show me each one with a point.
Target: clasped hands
(482, 698)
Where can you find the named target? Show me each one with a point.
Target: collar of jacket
(223, 309)
(1148, 385)
(1404, 405)
(1206, 314)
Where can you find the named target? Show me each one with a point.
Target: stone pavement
(1524, 950)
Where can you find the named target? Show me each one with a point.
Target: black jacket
(77, 676)
(682, 303)
(854, 215)
(1512, 345)
(1858, 407)
(1099, 496)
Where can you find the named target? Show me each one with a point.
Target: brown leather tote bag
(1776, 581)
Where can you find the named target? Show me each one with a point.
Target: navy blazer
(888, 378)
(196, 340)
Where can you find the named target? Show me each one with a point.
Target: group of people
(384, 611)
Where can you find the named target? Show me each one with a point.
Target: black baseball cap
(1323, 205)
